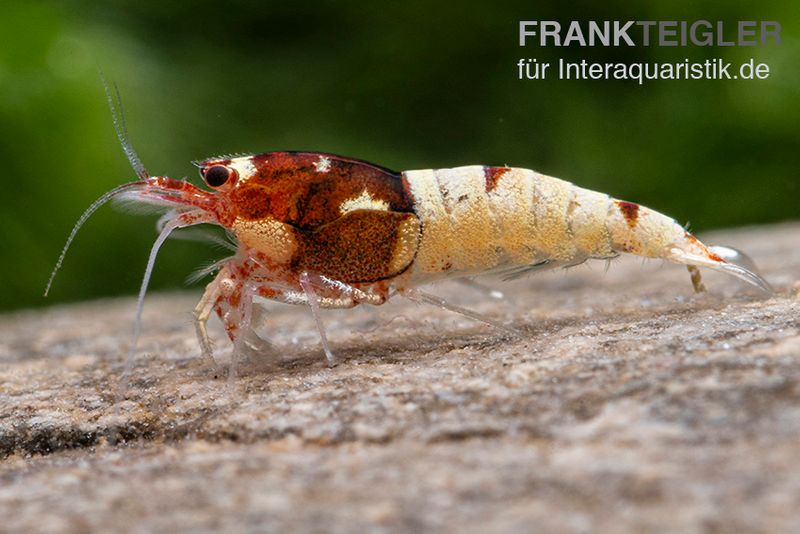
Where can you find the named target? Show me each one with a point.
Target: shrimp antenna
(120, 126)
(83, 218)
(118, 118)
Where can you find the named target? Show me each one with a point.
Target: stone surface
(628, 404)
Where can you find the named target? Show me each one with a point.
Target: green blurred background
(406, 85)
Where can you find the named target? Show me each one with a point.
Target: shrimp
(328, 231)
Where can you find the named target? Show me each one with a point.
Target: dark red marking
(357, 247)
(252, 202)
(289, 187)
(689, 237)
(268, 292)
(630, 211)
(492, 176)
(712, 256)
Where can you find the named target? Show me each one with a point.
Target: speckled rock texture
(628, 404)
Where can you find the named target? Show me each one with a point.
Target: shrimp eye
(216, 175)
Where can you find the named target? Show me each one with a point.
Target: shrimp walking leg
(313, 303)
(201, 313)
(240, 340)
(415, 295)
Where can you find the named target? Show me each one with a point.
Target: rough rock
(627, 404)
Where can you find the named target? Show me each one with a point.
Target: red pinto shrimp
(333, 232)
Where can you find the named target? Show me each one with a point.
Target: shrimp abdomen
(479, 219)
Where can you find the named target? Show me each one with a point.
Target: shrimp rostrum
(334, 232)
